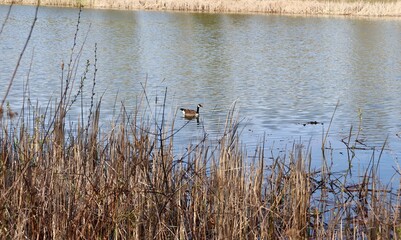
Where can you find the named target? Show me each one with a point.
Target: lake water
(281, 71)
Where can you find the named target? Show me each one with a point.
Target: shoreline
(293, 7)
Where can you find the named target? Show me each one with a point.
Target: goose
(189, 113)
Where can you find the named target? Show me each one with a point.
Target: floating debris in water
(312, 123)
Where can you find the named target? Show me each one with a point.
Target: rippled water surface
(281, 71)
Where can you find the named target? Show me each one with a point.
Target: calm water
(281, 71)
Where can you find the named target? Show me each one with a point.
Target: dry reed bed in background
(354, 8)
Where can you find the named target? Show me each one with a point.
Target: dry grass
(303, 7)
(80, 183)
(125, 183)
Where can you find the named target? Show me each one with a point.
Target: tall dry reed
(126, 183)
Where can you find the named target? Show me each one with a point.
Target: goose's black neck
(197, 109)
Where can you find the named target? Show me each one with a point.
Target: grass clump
(125, 183)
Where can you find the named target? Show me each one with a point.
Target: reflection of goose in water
(189, 113)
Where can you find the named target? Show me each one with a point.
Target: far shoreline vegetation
(367, 8)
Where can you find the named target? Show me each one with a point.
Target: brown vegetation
(303, 7)
(80, 183)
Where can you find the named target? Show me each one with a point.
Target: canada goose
(189, 113)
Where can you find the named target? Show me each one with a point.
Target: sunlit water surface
(280, 72)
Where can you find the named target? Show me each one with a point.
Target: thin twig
(21, 55)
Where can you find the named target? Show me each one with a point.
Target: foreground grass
(125, 183)
(303, 7)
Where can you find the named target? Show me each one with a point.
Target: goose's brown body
(189, 113)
